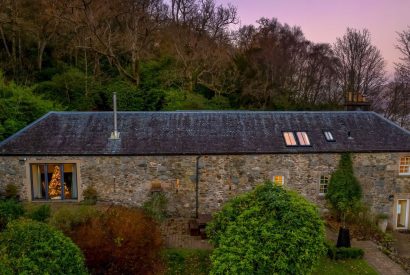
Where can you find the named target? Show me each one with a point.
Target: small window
(404, 168)
(329, 136)
(289, 139)
(279, 180)
(323, 183)
(303, 139)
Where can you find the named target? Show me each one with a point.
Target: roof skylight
(329, 136)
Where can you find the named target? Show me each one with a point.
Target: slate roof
(204, 132)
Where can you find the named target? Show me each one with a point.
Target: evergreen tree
(344, 191)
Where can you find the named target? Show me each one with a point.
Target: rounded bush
(266, 231)
(31, 247)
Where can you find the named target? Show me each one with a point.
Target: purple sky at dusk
(325, 20)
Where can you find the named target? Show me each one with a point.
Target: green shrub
(36, 248)
(90, 195)
(349, 253)
(11, 191)
(121, 241)
(156, 206)
(68, 217)
(344, 191)
(9, 210)
(266, 231)
(342, 253)
(40, 213)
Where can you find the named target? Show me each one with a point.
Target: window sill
(57, 201)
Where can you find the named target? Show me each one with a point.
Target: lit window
(279, 180)
(323, 183)
(289, 139)
(404, 168)
(329, 136)
(54, 181)
(303, 139)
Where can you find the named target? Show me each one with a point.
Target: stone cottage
(200, 159)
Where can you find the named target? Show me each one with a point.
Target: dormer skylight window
(302, 139)
(289, 139)
(329, 136)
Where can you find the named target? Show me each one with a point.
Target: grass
(187, 261)
(356, 266)
(196, 261)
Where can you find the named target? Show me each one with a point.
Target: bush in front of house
(266, 231)
(67, 218)
(11, 191)
(40, 213)
(90, 195)
(344, 192)
(120, 241)
(156, 206)
(9, 210)
(31, 247)
(343, 253)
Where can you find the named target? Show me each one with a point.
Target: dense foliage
(20, 106)
(40, 213)
(67, 218)
(30, 247)
(176, 55)
(267, 231)
(9, 210)
(344, 191)
(121, 241)
(156, 206)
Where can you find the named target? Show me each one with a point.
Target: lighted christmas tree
(54, 187)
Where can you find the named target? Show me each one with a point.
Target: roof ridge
(211, 111)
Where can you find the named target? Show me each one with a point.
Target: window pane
(278, 180)
(38, 181)
(303, 138)
(404, 167)
(70, 181)
(289, 139)
(323, 184)
(54, 183)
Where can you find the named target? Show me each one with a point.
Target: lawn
(196, 261)
(357, 266)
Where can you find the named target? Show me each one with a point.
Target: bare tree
(395, 103)
(361, 66)
(200, 40)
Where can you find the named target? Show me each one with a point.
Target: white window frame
(404, 162)
(406, 223)
(322, 184)
(282, 183)
(329, 136)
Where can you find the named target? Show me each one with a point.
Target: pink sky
(325, 20)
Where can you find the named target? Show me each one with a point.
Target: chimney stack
(115, 134)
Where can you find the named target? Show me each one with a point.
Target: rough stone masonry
(129, 179)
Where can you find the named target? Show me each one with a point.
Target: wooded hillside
(180, 54)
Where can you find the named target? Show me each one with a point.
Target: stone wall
(128, 179)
